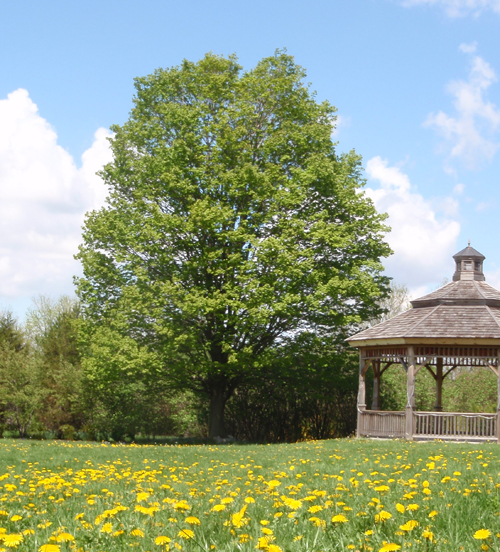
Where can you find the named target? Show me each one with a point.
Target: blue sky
(414, 82)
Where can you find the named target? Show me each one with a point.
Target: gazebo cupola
(456, 326)
(469, 265)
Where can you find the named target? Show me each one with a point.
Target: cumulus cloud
(43, 200)
(422, 238)
(471, 133)
(458, 8)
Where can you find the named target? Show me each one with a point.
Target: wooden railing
(374, 423)
(454, 425)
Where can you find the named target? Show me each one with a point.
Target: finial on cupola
(469, 265)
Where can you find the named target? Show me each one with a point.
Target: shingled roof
(463, 309)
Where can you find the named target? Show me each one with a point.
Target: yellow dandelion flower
(137, 533)
(28, 532)
(16, 518)
(142, 496)
(315, 509)
(382, 489)
(339, 518)
(400, 508)
(49, 548)
(193, 520)
(274, 548)
(65, 537)
(250, 500)
(107, 528)
(433, 514)
(297, 538)
(186, 534)
(317, 521)
(182, 505)
(118, 533)
(390, 547)
(219, 508)
(244, 537)
(266, 530)
(13, 540)
(273, 484)
(79, 516)
(409, 525)
(412, 507)
(161, 540)
(429, 535)
(263, 543)
(479, 535)
(382, 516)
(369, 533)
(264, 522)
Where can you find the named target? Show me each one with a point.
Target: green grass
(66, 490)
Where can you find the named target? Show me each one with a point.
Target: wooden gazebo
(457, 325)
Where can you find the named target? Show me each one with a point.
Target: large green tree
(232, 223)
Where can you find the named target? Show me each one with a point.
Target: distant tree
(52, 326)
(232, 224)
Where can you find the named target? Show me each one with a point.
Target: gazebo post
(439, 385)
(410, 393)
(376, 385)
(498, 398)
(361, 406)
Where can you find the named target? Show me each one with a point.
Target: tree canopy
(232, 225)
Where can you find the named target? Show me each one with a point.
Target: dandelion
(15, 518)
(49, 548)
(12, 540)
(429, 535)
(409, 525)
(266, 531)
(193, 520)
(482, 534)
(244, 537)
(390, 547)
(382, 516)
(382, 488)
(65, 537)
(317, 521)
(219, 508)
(432, 514)
(250, 500)
(400, 508)
(339, 518)
(161, 540)
(107, 528)
(137, 533)
(413, 507)
(186, 534)
(274, 548)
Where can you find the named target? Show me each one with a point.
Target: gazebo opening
(456, 327)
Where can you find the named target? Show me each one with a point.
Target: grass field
(314, 496)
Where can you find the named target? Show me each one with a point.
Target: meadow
(59, 496)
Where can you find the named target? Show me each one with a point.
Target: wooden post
(439, 385)
(361, 406)
(410, 393)
(498, 398)
(376, 385)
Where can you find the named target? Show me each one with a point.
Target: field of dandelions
(344, 495)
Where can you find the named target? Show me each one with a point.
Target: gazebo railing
(454, 425)
(374, 423)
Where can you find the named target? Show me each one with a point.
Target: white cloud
(468, 48)
(458, 8)
(471, 133)
(459, 189)
(423, 241)
(341, 122)
(43, 199)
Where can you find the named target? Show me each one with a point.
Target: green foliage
(232, 224)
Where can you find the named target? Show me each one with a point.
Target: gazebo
(457, 325)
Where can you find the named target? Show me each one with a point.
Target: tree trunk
(218, 399)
